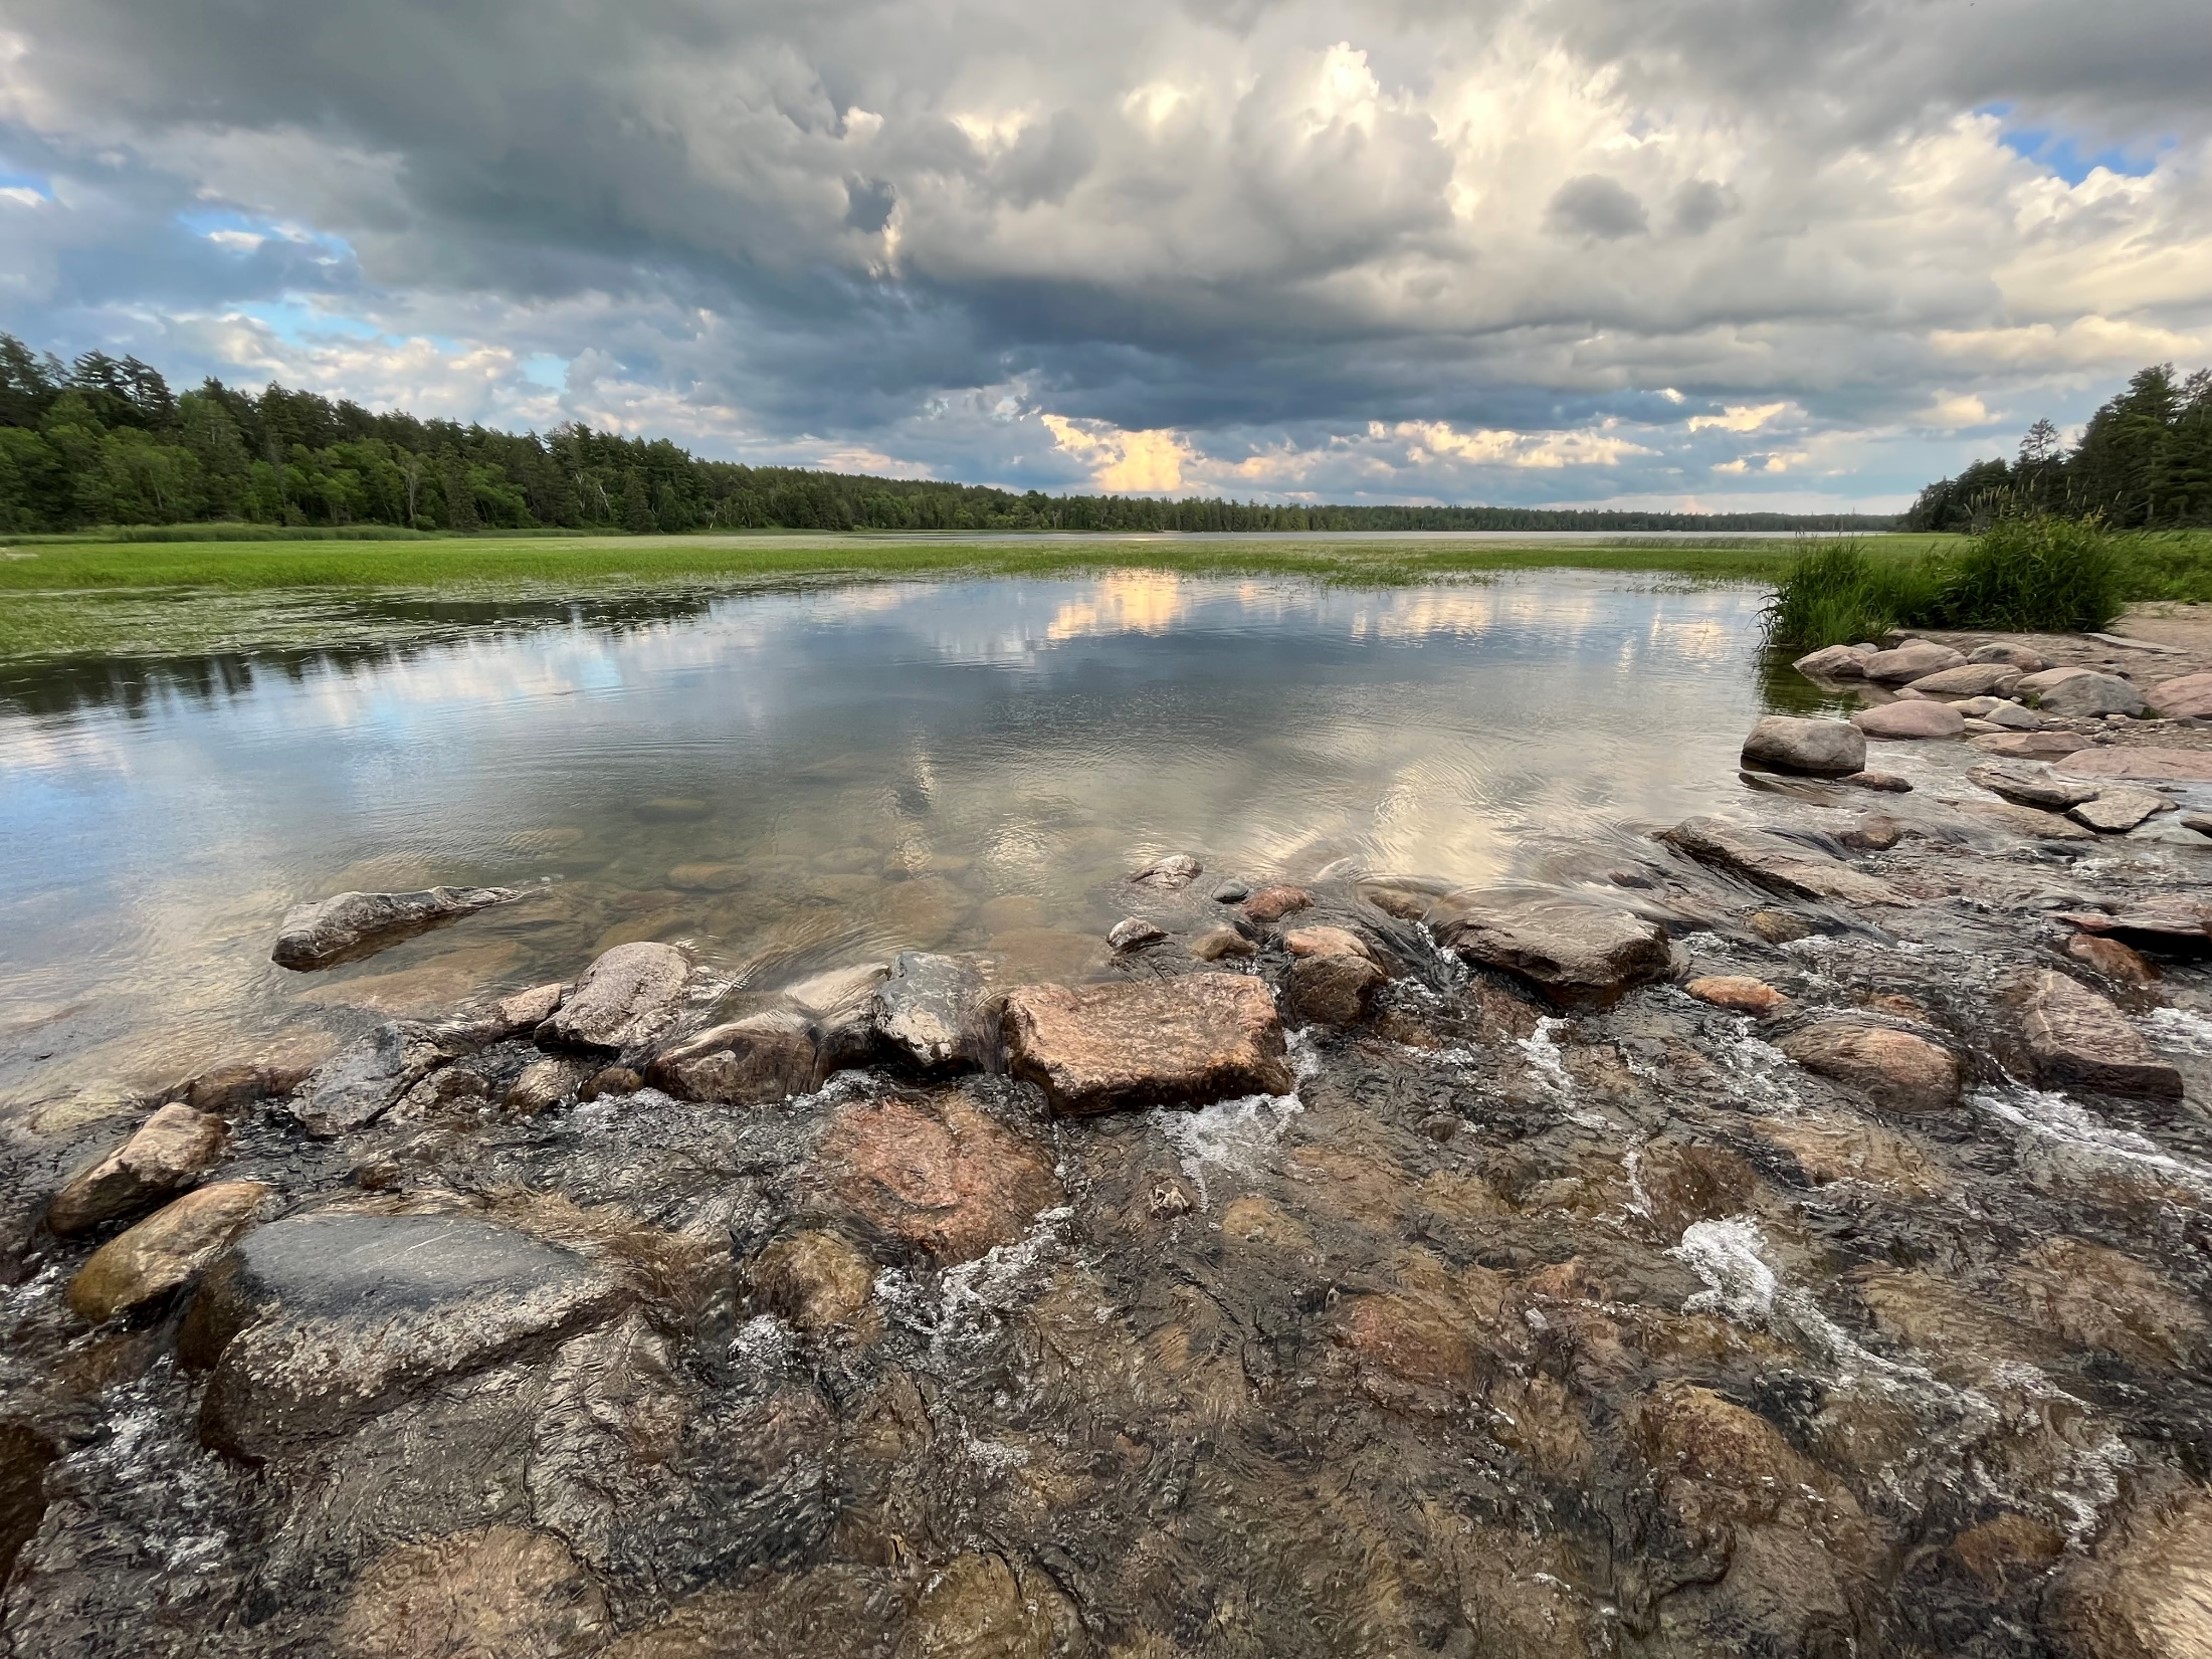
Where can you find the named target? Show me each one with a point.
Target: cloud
(1598, 207)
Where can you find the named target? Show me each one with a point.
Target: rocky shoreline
(1793, 1239)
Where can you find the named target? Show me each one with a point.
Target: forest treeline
(2144, 462)
(103, 441)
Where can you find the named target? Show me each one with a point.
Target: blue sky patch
(2066, 155)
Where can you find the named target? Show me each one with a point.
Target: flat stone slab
(1969, 679)
(1775, 862)
(2077, 1036)
(2030, 745)
(626, 998)
(2032, 786)
(1894, 1069)
(1574, 953)
(313, 1323)
(1119, 1047)
(2116, 811)
(349, 926)
(162, 1156)
(2140, 765)
(2026, 820)
(2169, 922)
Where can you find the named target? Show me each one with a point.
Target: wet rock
(2098, 1298)
(674, 809)
(1775, 862)
(2169, 922)
(2139, 764)
(1232, 892)
(1272, 904)
(2027, 820)
(852, 1612)
(2146, 1593)
(545, 1083)
(842, 1005)
(1172, 873)
(2200, 822)
(361, 1082)
(1819, 748)
(1739, 995)
(1337, 988)
(166, 1250)
(525, 1011)
(765, 1056)
(1828, 1150)
(1888, 783)
(2080, 691)
(2111, 958)
(1328, 941)
(611, 1082)
(1895, 1070)
(814, 1279)
(1875, 832)
(975, 1607)
(1910, 720)
(224, 1089)
(2077, 1037)
(1107, 1048)
(1221, 943)
(353, 925)
(1575, 953)
(932, 1010)
(1969, 679)
(2034, 786)
(941, 1175)
(163, 1155)
(1134, 933)
(1834, 662)
(2022, 657)
(605, 1442)
(2116, 811)
(313, 1323)
(2030, 745)
(1779, 927)
(498, 1592)
(25, 1456)
(1913, 660)
(2186, 698)
(626, 998)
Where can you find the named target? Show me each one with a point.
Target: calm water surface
(791, 781)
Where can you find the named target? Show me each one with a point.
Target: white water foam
(971, 1300)
(2178, 1028)
(1547, 1065)
(1232, 1137)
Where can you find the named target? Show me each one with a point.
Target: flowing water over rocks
(1802, 1253)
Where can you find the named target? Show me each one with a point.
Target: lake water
(788, 781)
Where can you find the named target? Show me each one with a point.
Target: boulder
(1819, 748)
(2032, 786)
(162, 1156)
(1220, 943)
(1906, 721)
(2188, 698)
(1969, 679)
(1272, 904)
(1775, 862)
(353, 925)
(765, 1056)
(1875, 832)
(1834, 662)
(2200, 822)
(362, 1081)
(1117, 1047)
(1333, 988)
(2139, 765)
(814, 1279)
(2116, 811)
(313, 1323)
(1913, 660)
(933, 1012)
(941, 1175)
(1172, 873)
(1894, 1069)
(2077, 1037)
(1134, 933)
(2030, 745)
(627, 997)
(166, 1250)
(499, 1592)
(2080, 691)
(546, 1083)
(2111, 958)
(1328, 941)
(2015, 656)
(2169, 922)
(1738, 994)
(2146, 1591)
(2012, 717)
(1576, 953)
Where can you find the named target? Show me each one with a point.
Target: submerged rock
(353, 925)
(1778, 863)
(241, 1083)
(626, 998)
(2170, 922)
(166, 1250)
(2146, 1592)
(1737, 994)
(1577, 954)
(932, 1011)
(2076, 1036)
(2111, 958)
(842, 1005)
(1894, 1069)
(1912, 660)
(162, 1156)
(1172, 873)
(1888, 783)
(941, 1174)
(546, 1083)
(815, 1279)
(499, 1592)
(765, 1056)
(1109, 1048)
(1819, 748)
(1219, 943)
(1907, 721)
(1272, 904)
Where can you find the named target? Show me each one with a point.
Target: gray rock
(1888, 783)
(1969, 679)
(1232, 892)
(2168, 922)
(546, 1083)
(1911, 661)
(2031, 745)
(2016, 656)
(362, 1081)
(1820, 748)
(2012, 717)
(2081, 691)
(1782, 865)
(353, 925)
(314, 1323)
(1133, 933)
(161, 1157)
(1219, 942)
(2201, 822)
(1176, 871)
(2026, 820)
(1834, 662)
(765, 1056)
(626, 998)
(2075, 1036)
(2032, 786)
(1911, 720)
(842, 1005)
(1575, 953)
(2115, 811)
(931, 1010)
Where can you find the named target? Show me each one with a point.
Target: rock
(940, 1175)
(1217, 944)
(546, 1083)
(1174, 872)
(2111, 958)
(362, 1081)
(932, 1010)
(2016, 656)
(2146, 1593)
(25, 1456)
(627, 997)
(1117, 1047)
(2026, 820)
(842, 1005)
(1232, 892)
(1819, 748)
(226, 1088)
(1833, 662)
(611, 1081)
(499, 1592)
(2188, 698)
(674, 809)
(2096, 1297)
(524, 1011)
(2077, 1037)
(1333, 989)
(162, 1156)
(2080, 691)
(1889, 783)
(1909, 721)
(313, 1323)
(2031, 745)
(2032, 786)
(2116, 811)
(976, 1607)
(763, 1057)
(1133, 933)
(1875, 832)
(1775, 862)
(2140, 765)
(1779, 927)
(2012, 717)
(353, 925)
(1328, 941)
(1272, 904)
(2171, 922)
(1969, 679)
(1894, 1069)
(166, 1250)
(814, 1279)
(1738, 994)
(2200, 822)
(1912, 660)
(1575, 953)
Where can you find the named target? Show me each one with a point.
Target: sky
(1702, 254)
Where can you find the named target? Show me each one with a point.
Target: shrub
(2032, 573)
(1839, 593)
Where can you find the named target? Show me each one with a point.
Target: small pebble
(1232, 892)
